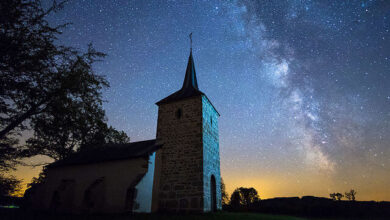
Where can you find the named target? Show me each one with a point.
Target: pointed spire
(190, 81)
(190, 42)
(190, 84)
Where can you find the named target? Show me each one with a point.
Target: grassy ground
(16, 214)
(217, 216)
(232, 216)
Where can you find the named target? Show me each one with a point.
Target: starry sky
(303, 87)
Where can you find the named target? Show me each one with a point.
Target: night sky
(303, 87)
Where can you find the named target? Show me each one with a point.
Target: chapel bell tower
(187, 174)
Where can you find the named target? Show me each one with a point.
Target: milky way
(303, 87)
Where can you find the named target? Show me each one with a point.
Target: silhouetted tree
(33, 185)
(46, 87)
(243, 197)
(350, 195)
(38, 180)
(8, 185)
(224, 194)
(117, 137)
(236, 200)
(339, 196)
(336, 196)
(8, 154)
(249, 196)
(8, 160)
(28, 62)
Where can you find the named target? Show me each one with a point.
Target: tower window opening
(211, 121)
(178, 113)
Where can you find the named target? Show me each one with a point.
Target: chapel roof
(109, 152)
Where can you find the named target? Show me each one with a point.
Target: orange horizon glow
(267, 185)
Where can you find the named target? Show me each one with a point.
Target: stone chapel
(177, 171)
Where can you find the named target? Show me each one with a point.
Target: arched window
(94, 196)
(62, 198)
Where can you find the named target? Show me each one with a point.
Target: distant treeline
(316, 207)
(248, 200)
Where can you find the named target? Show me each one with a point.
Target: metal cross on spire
(191, 41)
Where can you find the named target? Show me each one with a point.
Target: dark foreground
(17, 214)
(317, 207)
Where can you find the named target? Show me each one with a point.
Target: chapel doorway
(213, 196)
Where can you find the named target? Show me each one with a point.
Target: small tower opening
(178, 113)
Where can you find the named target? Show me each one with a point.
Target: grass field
(217, 216)
(16, 214)
(230, 216)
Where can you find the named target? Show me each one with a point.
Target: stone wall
(211, 162)
(180, 179)
(188, 158)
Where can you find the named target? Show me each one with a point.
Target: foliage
(336, 196)
(339, 196)
(235, 200)
(8, 185)
(28, 62)
(8, 154)
(116, 137)
(33, 185)
(38, 180)
(48, 88)
(243, 198)
(249, 195)
(350, 195)
(224, 194)
(333, 196)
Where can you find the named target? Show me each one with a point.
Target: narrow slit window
(178, 113)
